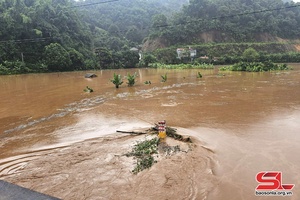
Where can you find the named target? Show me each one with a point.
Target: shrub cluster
(255, 67)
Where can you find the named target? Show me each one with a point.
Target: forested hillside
(126, 18)
(61, 35)
(271, 27)
(233, 20)
(45, 34)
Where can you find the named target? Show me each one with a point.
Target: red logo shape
(271, 181)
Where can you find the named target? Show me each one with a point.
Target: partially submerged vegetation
(143, 152)
(88, 89)
(164, 78)
(255, 67)
(248, 66)
(131, 79)
(199, 75)
(182, 66)
(117, 80)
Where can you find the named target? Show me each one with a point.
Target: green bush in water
(88, 89)
(182, 66)
(255, 67)
(164, 78)
(117, 80)
(199, 75)
(131, 79)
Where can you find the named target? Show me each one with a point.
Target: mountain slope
(232, 21)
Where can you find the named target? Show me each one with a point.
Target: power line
(28, 40)
(218, 17)
(91, 4)
(230, 16)
(161, 26)
(258, 11)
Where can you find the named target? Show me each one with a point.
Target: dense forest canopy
(36, 32)
(60, 35)
(234, 20)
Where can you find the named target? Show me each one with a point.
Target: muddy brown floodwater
(56, 139)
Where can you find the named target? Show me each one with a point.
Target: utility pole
(22, 56)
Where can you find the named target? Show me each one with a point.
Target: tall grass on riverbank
(182, 66)
(255, 67)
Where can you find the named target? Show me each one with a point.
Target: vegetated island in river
(255, 67)
(240, 66)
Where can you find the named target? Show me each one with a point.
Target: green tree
(57, 58)
(77, 59)
(134, 35)
(159, 24)
(159, 20)
(147, 59)
(114, 30)
(115, 43)
(129, 59)
(105, 58)
(250, 54)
